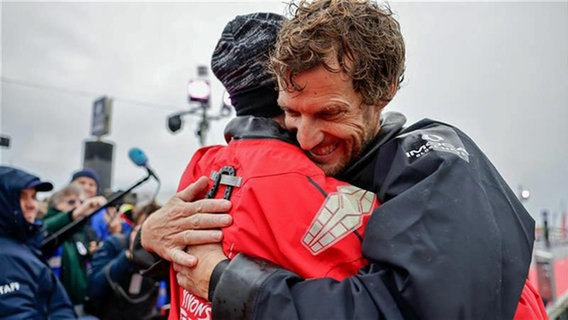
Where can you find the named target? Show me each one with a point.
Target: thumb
(195, 190)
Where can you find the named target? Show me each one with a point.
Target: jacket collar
(356, 172)
(249, 127)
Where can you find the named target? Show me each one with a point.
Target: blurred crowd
(81, 243)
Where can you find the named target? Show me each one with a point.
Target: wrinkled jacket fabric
(28, 287)
(284, 209)
(449, 241)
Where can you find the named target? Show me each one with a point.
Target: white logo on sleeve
(340, 214)
(9, 288)
(449, 142)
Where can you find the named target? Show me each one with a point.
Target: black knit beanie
(240, 60)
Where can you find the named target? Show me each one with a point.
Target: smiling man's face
(332, 123)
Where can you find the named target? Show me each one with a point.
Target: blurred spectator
(88, 179)
(42, 210)
(71, 260)
(28, 288)
(116, 289)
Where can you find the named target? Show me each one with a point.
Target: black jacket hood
(12, 221)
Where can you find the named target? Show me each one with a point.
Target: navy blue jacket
(450, 240)
(28, 287)
(110, 280)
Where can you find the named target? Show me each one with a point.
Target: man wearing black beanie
(296, 227)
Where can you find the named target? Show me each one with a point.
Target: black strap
(120, 291)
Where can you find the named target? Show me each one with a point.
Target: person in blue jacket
(28, 287)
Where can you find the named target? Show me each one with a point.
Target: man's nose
(29, 204)
(308, 134)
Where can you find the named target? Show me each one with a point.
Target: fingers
(196, 279)
(195, 237)
(201, 221)
(181, 258)
(175, 208)
(96, 201)
(194, 190)
(189, 278)
(184, 220)
(179, 268)
(210, 206)
(201, 214)
(101, 200)
(182, 280)
(91, 204)
(197, 229)
(86, 207)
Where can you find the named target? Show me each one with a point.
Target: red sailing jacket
(530, 305)
(284, 210)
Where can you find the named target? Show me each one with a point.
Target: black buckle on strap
(225, 176)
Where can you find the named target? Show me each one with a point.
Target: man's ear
(392, 93)
(394, 89)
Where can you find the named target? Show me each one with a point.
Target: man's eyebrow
(332, 108)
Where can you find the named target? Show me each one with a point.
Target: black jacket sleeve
(268, 292)
(450, 240)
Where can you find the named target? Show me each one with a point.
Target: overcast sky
(499, 71)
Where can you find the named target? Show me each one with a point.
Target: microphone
(140, 159)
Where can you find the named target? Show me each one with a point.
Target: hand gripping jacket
(284, 209)
(450, 240)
